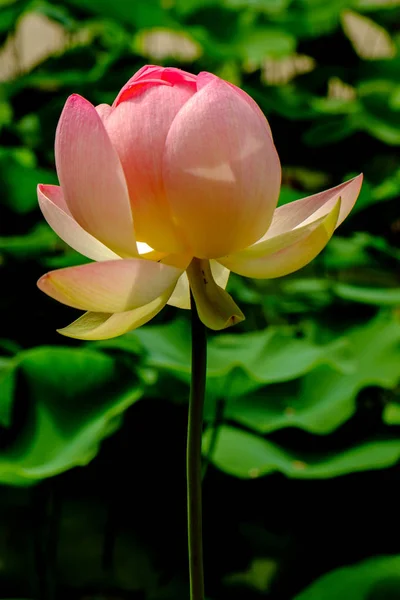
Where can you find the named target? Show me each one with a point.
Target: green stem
(193, 455)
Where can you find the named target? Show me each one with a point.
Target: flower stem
(193, 455)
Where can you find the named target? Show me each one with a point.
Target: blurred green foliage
(305, 391)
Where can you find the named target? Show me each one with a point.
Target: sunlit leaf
(248, 456)
(162, 44)
(368, 295)
(325, 397)
(370, 40)
(268, 356)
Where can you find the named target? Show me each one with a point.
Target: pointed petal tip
(77, 99)
(292, 252)
(42, 280)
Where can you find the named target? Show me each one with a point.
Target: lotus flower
(171, 187)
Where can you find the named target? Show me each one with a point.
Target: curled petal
(103, 326)
(221, 172)
(181, 295)
(309, 209)
(216, 308)
(58, 216)
(110, 286)
(286, 253)
(92, 178)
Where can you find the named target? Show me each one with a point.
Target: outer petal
(92, 178)
(307, 210)
(154, 74)
(111, 286)
(138, 128)
(181, 295)
(216, 308)
(221, 172)
(102, 326)
(58, 216)
(204, 78)
(286, 253)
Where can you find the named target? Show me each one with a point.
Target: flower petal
(309, 209)
(103, 326)
(286, 253)
(216, 308)
(221, 172)
(204, 78)
(92, 178)
(151, 74)
(181, 295)
(58, 216)
(110, 286)
(138, 128)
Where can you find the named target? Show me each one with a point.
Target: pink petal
(204, 78)
(178, 76)
(138, 129)
(221, 172)
(286, 253)
(151, 75)
(92, 178)
(111, 286)
(103, 326)
(103, 110)
(58, 216)
(311, 208)
(136, 88)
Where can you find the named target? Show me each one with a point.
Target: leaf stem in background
(193, 455)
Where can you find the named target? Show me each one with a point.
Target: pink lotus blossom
(174, 185)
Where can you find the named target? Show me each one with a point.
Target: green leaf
(268, 356)
(270, 7)
(257, 44)
(249, 456)
(146, 13)
(368, 295)
(326, 397)
(311, 18)
(7, 387)
(379, 115)
(391, 414)
(354, 251)
(329, 131)
(366, 5)
(38, 241)
(287, 100)
(20, 176)
(76, 398)
(373, 579)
